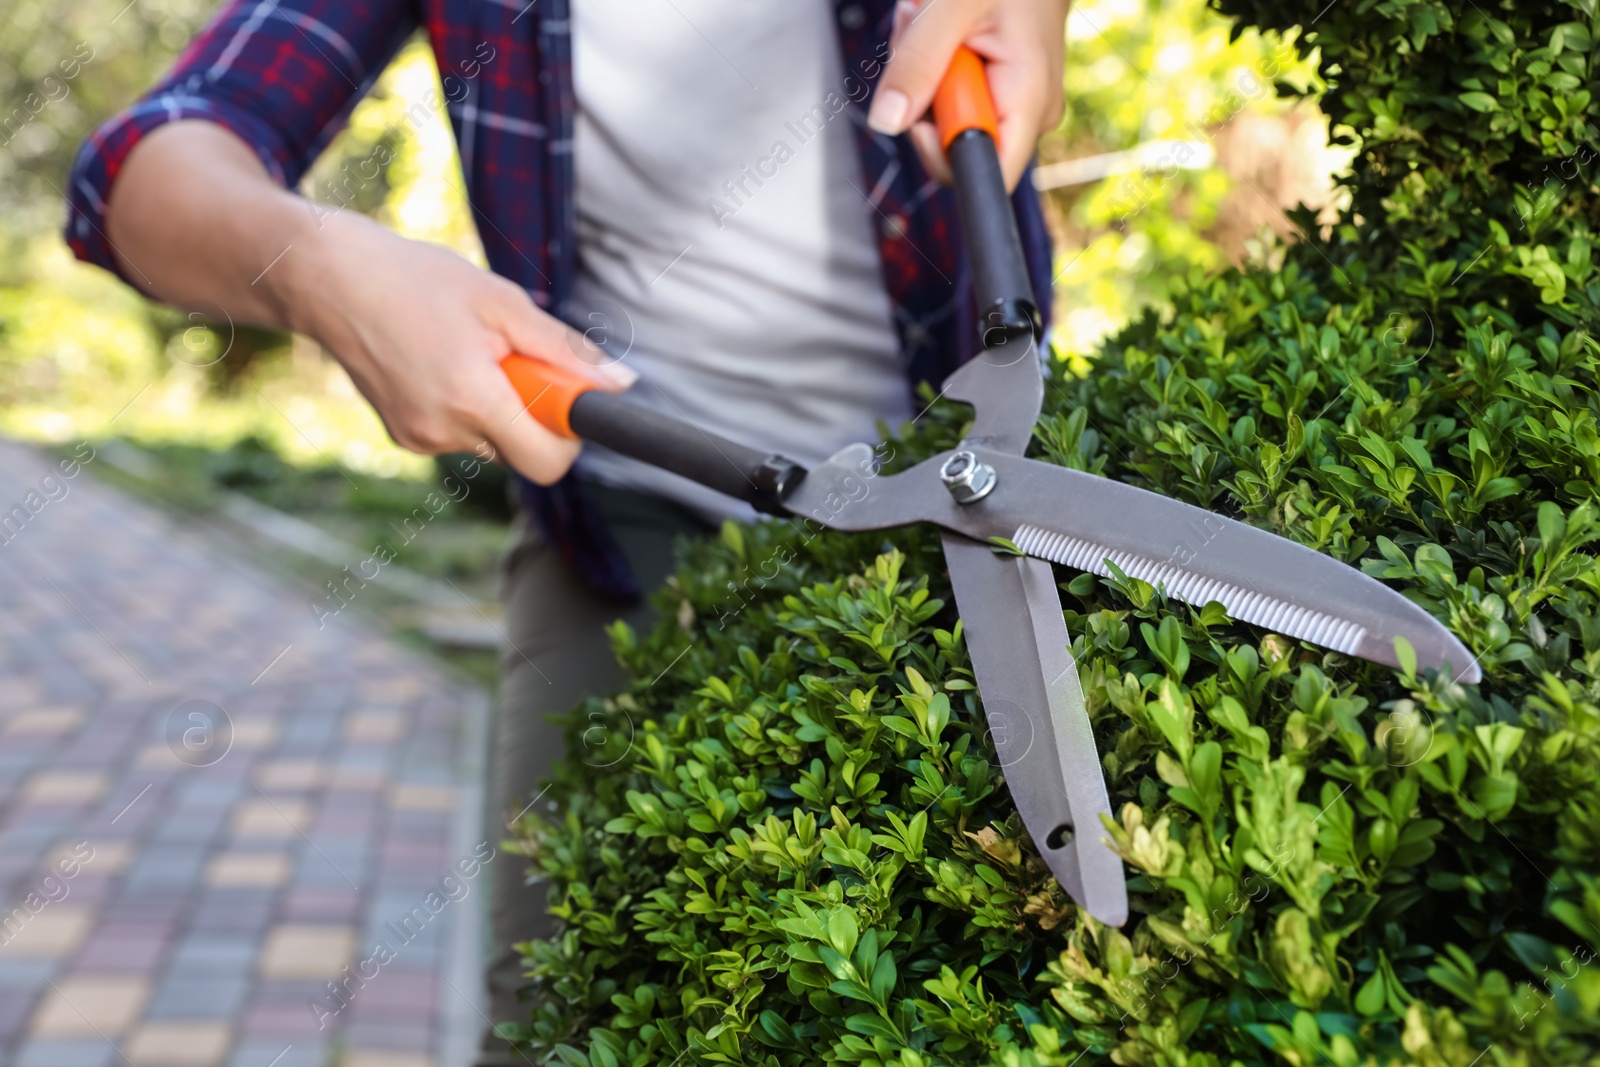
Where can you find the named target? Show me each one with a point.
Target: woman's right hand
(196, 221)
(422, 333)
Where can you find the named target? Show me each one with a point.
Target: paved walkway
(210, 809)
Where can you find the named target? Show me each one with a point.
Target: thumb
(922, 52)
(532, 332)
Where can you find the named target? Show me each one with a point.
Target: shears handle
(568, 404)
(963, 111)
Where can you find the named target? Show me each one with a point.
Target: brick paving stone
(289, 992)
(290, 774)
(89, 1005)
(317, 872)
(347, 854)
(93, 889)
(213, 954)
(368, 780)
(166, 867)
(36, 832)
(408, 987)
(307, 950)
(213, 791)
(375, 725)
(359, 824)
(146, 908)
(180, 997)
(389, 1038)
(52, 934)
(193, 826)
(361, 1057)
(254, 732)
(225, 912)
(100, 856)
(130, 953)
(262, 1053)
(375, 1008)
(211, 886)
(325, 903)
(157, 758)
(309, 734)
(19, 976)
(241, 868)
(91, 1052)
(172, 1043)
(289, 1021)
(272, 819)
(64, 787)
(47, 722)
(14, 1013)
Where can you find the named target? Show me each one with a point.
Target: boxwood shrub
(788, 841)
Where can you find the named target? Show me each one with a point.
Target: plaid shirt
(282, 75)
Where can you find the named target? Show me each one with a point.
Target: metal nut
(967, 479)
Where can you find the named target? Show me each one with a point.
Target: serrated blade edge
(1245, 605)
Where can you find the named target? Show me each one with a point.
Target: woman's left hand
(1021, 41)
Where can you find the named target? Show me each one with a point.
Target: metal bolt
(967, 479)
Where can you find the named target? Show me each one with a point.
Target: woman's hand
(1022, 42)
(422, 333)
(195, 218)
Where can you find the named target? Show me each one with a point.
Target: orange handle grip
(547, 390)
(962, 101)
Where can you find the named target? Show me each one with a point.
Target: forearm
(197, 222)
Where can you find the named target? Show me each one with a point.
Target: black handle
(1006, 306)
(761, 479)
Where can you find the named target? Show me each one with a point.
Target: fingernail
(623, 375)
(888, 112)
(905, 12)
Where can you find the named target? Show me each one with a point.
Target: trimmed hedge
(788, 842)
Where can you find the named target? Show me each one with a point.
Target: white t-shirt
(726, 248)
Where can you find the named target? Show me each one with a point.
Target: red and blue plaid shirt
(282, 75)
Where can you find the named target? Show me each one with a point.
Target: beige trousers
(557, 655)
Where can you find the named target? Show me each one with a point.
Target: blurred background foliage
(1225, 156)
(83, 356)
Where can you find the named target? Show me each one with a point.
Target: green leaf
(842, 930)
(1004, 546)
(1370, 998)
(884, 977)
(1407, 656)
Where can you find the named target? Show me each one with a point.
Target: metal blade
(1086, 522)
(1081, 520)
(1037, 718)
(1005, 387)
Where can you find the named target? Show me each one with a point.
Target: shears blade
(1091, 523)
(1038, 720)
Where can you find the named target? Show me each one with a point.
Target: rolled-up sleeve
(281, 75)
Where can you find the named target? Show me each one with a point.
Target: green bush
(788, 841)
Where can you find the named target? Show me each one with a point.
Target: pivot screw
(967, 479)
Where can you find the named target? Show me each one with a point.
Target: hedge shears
(984, 493)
